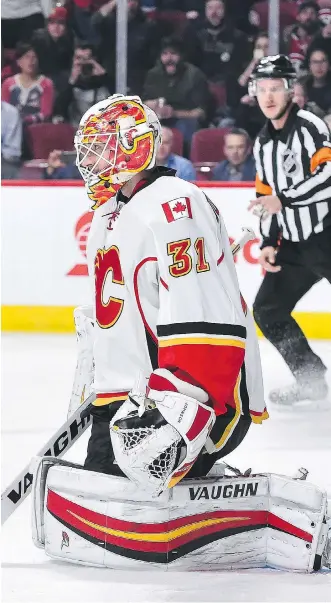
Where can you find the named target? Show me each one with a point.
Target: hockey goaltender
(177, 383)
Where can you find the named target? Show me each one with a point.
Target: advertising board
(44, 273)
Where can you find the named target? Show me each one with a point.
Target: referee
(293, 187)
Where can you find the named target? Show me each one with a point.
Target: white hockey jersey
(167, 296)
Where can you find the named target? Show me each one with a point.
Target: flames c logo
(81, 233)
(107, 265)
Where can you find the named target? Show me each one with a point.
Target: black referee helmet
(277, 67)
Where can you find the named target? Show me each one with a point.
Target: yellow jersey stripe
(231, 426)
(259, 418)
(109, 400)
(201, 341)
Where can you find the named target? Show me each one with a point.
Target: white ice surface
(37, 376)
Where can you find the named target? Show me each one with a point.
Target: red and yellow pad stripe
(165, 541)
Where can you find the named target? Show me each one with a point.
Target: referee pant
(303, 264)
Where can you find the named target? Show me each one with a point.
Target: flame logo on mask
(98, 193)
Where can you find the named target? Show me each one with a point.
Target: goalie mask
(156, 440)
(117, 138)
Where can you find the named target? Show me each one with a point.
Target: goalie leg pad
(39, 468)
(84, 372)
(326, 549)
(210, 524)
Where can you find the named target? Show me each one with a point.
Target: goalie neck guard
(117, 138)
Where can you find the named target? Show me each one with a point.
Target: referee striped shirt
(294, 163)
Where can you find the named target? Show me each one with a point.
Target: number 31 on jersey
(182, 257)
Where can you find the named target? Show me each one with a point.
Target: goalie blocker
(264, 520)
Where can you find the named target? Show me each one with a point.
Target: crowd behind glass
(190, 60)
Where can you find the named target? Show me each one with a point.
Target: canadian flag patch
(177, 209)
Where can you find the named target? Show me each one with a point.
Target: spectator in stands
(239, 164)
(11, 140)
(142, 45)
(20, 18)
(88, 84)
(300, 97)
(322, 40)
(54, 48)
(82, 11)
(215, 46)
(57, 169)
(30, 92)
(243, 108)
(184, 168)
(260, 50)
(324, 13)
(8, 63)
(177, 91)
(237, 91)
(318, 82)
(239, 13)
(297, 37)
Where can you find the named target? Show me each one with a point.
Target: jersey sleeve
(201, 326)
(316, 186)
(269, 227)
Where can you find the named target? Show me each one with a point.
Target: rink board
(44, 272)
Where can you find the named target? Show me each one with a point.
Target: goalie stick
(248, 234)
(57, 445)
(70, 431)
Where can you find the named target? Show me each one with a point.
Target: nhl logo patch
(290, 163)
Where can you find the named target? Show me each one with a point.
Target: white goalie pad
(39, 468)
(213, 523)
(84, 372)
